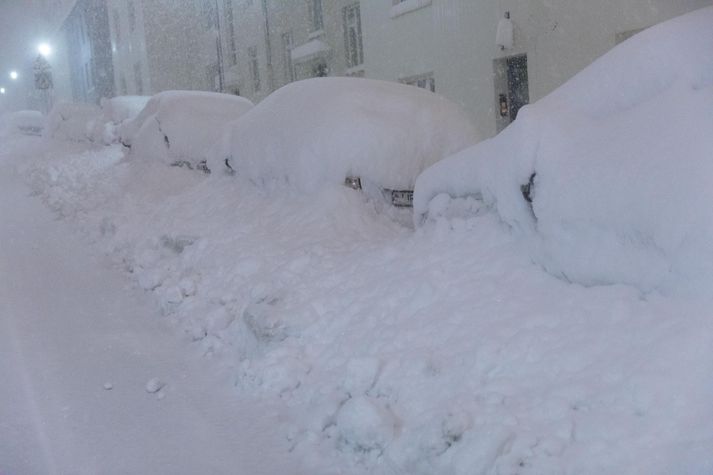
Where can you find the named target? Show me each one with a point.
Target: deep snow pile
(622, 156)
(178, 126)
(322, 130)
(444, 351)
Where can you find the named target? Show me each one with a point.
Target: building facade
(159, 45)
(447, 46)
(490, 56)
(86, 36)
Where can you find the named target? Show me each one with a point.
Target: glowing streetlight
(2, 90)
(44, 49)
(13, 75)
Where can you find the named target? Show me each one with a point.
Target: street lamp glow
(13, 75)
(2, 90)
(44, 49)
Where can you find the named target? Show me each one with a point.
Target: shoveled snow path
(68, 326)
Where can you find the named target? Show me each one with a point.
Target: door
(511, 88)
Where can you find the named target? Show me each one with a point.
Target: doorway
(512, 90)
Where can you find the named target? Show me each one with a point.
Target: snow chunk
(154, 385)
(365, 425)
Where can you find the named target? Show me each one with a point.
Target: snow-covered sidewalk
(78, 346)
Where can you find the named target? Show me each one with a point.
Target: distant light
(2, 90)
(44, 49)
(13, 75)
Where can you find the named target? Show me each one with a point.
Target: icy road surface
(77, 349)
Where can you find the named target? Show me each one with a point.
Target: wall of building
(238, 46)
(88, 51)
(161, 45)
(455, 39)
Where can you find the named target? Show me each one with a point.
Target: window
(132, 15)
(230, 25)
(315, 14)
(320, 70)
(254, 67)
(424, 81)
(287, 44)
(138, 78)
(352, 35)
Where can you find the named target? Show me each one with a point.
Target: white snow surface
(177, 126)
(78, 342)
(443, 350)
(319, 131)
(439, 350)
(622, 156)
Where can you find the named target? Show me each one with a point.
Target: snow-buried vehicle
(177, 127)
(368, 134)
(609, 175)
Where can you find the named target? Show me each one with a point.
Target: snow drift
(621, 163)
(179, 126)
(322, 130)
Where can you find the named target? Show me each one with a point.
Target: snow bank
(72, 121)
(440, 351)
(179, 126)
(322, 130)
(621, 158)
(27, 122)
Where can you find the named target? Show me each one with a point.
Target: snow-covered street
(78, 346)
(372, 348)
(346, 277)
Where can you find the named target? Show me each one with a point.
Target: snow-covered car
(177, 127)
(611, 173)
(116, 111)
(26, 122)
(371, 135)
(72, 121)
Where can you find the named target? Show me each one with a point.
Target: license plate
(402, 198)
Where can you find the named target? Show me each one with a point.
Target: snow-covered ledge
(408, 6)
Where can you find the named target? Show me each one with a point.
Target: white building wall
(129, 49)
(170, 47)
(455, 39)
(285, 16)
